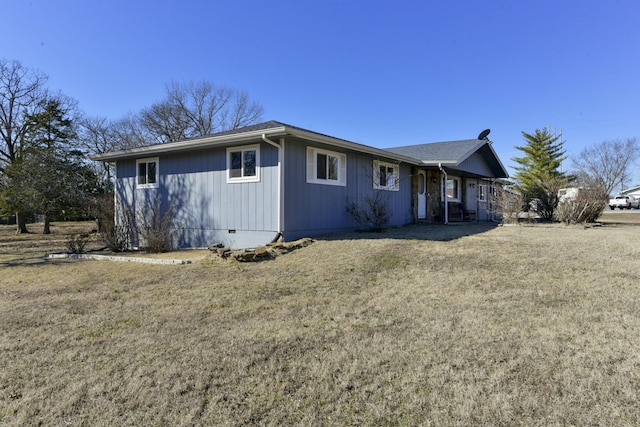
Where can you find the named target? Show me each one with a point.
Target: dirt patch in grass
(426, 325)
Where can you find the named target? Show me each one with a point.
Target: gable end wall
(207, 209)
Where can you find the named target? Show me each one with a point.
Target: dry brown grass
(428, 325)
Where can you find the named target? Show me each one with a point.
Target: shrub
(155, 226)
(508, 204)
(585, 208)
(77, 243)
(115, 235)
(372, 213)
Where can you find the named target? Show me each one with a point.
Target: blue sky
(383, 73)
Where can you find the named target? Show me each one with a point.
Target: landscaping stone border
(118, 258)
(261, 253)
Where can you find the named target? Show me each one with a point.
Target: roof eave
(353, 146)
(437, 163)
(248, 137)
(189, 144)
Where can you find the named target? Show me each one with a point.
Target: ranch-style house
(247, 187)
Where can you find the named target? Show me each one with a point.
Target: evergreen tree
(51, 128)
(539, 175)
(50, 177)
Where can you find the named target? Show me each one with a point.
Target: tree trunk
(21, 222)
(47, 225)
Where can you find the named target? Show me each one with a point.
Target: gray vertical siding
(477, 165)
(314, 209)
(206, 207)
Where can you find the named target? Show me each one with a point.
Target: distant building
(632, 191)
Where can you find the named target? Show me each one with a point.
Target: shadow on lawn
(31, 260)
(629, 217)
(420, 231)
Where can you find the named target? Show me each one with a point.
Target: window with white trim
(147, 173)
(386, 176)
(482, 193)
(453, 190)
(243, 164)
(326, 167)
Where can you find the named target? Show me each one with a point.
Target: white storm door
(422, 194)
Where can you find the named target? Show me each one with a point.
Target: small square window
(385, 176)
(147, 173)
(243, 164)
(326, 167)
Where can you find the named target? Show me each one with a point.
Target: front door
(422, 194)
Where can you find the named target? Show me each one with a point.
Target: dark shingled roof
(450, 151)
(252, 128)
(271, 124)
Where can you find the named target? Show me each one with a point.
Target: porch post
(414, 186)
(443, 186)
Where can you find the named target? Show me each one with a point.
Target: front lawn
(427, 325)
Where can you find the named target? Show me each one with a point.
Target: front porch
(457, 181)
(467, 197)
(459, 213)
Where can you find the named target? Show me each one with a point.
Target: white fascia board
(353, 146)
(190, 144)
(437, 163)
(231, 139)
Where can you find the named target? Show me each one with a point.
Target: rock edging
(117, 258)
(261, 253)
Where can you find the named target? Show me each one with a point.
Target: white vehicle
(623, 202)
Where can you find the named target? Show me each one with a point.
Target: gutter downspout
(280, 183)
(444, 195)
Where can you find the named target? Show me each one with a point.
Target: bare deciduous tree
(195, 109)
(22, 91)
(606, 165)
(97, 135)
(128, 133)
(507, 204)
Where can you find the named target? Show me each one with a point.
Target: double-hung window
(243, 164)
(147, 173)
(386, 176)
(326, 167)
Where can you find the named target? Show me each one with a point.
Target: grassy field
(427, 325)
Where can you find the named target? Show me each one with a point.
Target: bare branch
(196, 109)
(606, 165)
(21, 92)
